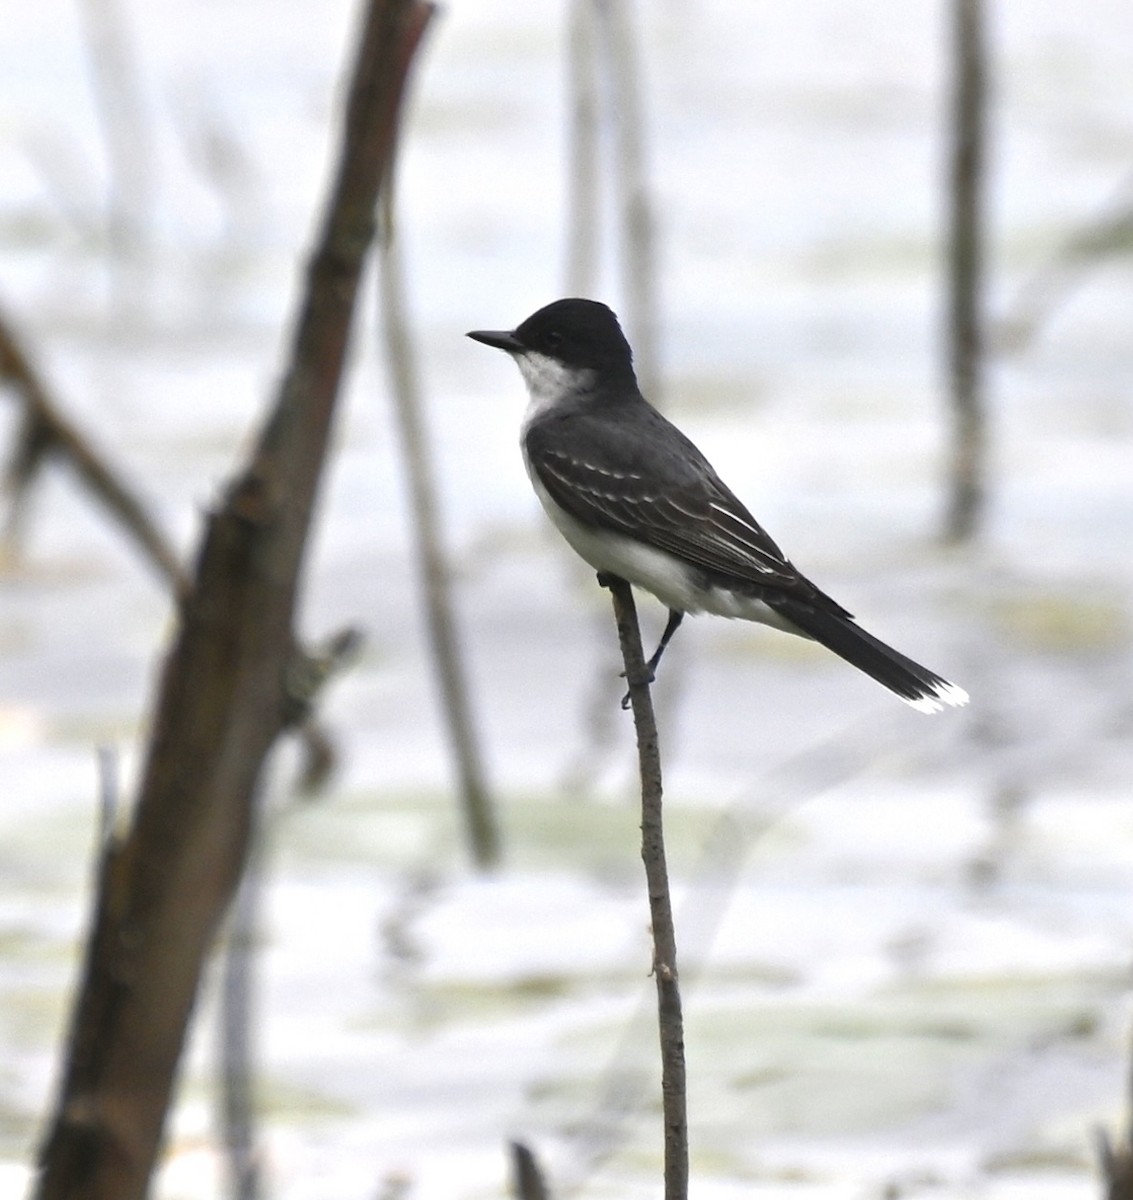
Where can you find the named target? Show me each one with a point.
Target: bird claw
(646, 679)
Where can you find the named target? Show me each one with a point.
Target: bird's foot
(646, 678)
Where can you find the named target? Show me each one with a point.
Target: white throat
(549, 382)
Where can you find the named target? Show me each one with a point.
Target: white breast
(673, 582)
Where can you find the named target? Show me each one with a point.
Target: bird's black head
(580, 334)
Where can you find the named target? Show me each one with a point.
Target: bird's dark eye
(553, 339)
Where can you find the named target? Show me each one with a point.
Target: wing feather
(661, 492)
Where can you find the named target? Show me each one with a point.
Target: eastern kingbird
(635, 498)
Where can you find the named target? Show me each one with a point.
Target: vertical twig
(639, 274)
(483, 833)
(673, 1102)
(583, 216)
(965, 271)
(605, 97)
(308, 673)
(527, 1177)
(1116, 1157)
(236, 1024)
(108, 794)
(584, 223)
(129, 150)
(605, 89)
(1116, 1167)
(813, 771)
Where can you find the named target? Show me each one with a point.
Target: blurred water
(911, 938)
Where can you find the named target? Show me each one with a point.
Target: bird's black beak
(502, 339)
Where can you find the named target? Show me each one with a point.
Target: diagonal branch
(46, 431)
(222, 699)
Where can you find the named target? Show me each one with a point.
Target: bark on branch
(670, 1019)
(223, 698)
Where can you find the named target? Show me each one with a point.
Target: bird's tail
(919, 687)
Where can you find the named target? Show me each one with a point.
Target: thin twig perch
(638, 257)
(673, 1102)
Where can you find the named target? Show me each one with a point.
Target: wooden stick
(223, 698)
(671, 1024)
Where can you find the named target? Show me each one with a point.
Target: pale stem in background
(967, 474)
(432, 565)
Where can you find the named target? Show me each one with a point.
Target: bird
(636, 499)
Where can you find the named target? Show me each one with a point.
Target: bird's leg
(675, 619)
(676, 616)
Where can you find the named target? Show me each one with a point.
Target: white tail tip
(942, 695)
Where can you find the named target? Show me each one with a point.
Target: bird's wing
(669, 497)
